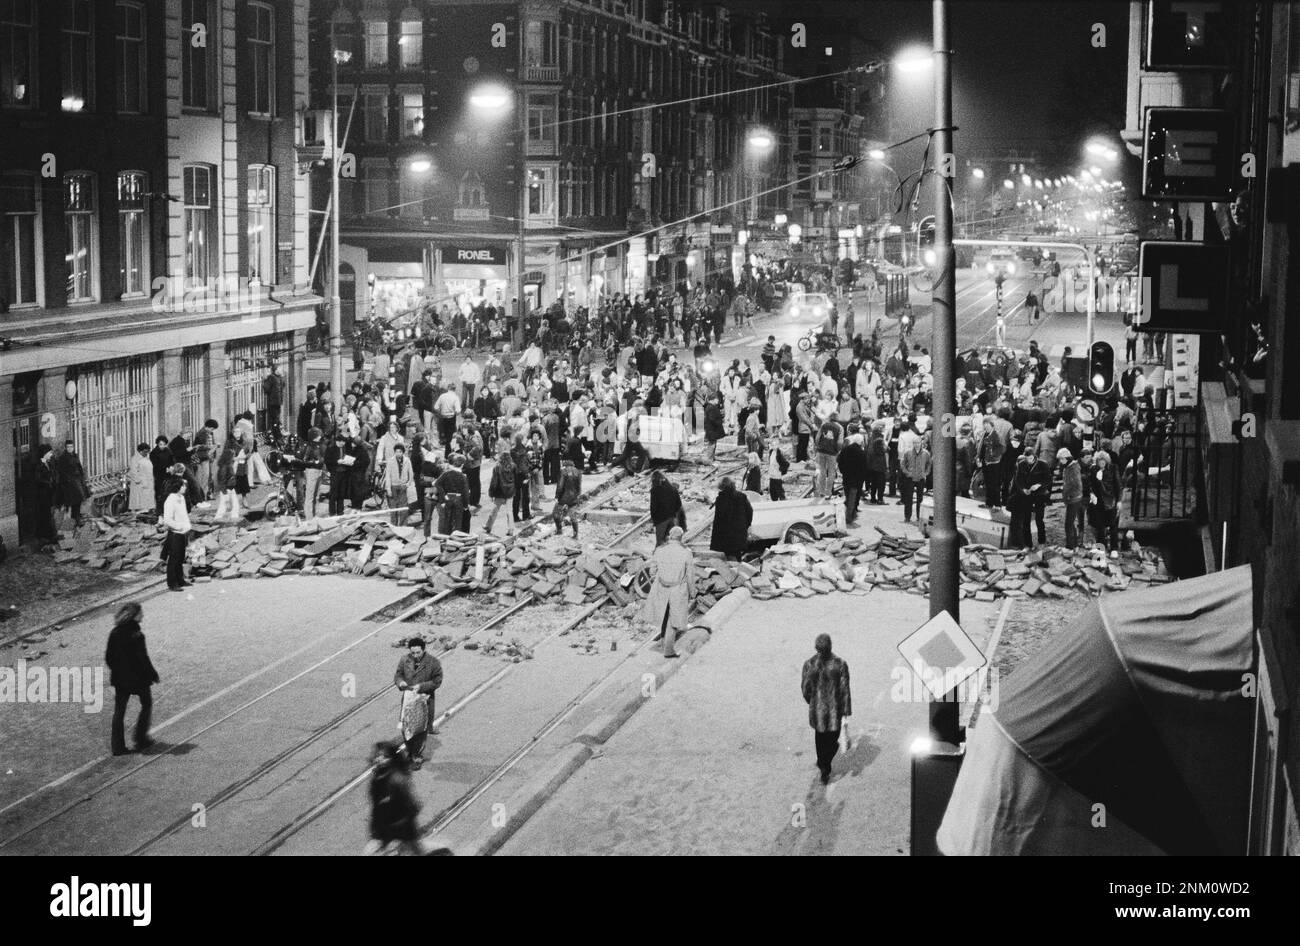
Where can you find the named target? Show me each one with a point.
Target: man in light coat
(672, 592)
(421, 672)
(399, 484)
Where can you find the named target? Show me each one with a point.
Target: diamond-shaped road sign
(940, 653)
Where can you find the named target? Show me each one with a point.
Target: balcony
(536, 73)
(540, 149)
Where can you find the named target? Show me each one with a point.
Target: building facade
(566, 115)
(153, 255)
(1243, 60)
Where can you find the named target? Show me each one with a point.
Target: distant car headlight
(989, 268)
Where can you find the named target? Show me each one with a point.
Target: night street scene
(637, 427)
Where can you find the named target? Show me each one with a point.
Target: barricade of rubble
(855, 566)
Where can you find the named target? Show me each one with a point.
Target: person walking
(131, 673)
(714, 428)
(665, 507)
(393, 806)
(877, 467)
(418, 676)
(523, 463)
(825, 684)
(71, 485)
(732, 516)
(176, 518)
(672, 592)
(914, 467)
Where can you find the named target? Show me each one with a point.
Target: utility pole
(945, 565)
(521, 238)
(336, 301)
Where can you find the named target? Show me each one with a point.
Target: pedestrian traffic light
(1101, 368)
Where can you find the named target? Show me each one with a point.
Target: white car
(1001, 261)
(815, 304)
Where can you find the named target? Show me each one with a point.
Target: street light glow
(914, 60)
(1009, 184)
(489, 98)
(761, 139)
(875, 154)
(978, 174)
(1026, 180)
(421, 165)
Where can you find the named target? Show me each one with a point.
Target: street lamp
(336, 302)
(795, 232)
(490, 99)
(978, 174)
(914, 60)
(1009, 184)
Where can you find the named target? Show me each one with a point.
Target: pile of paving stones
(854, 566)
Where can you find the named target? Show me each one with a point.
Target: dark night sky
(1010, 61)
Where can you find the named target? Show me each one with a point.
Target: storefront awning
(472, 271)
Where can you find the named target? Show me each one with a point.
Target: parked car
(818, 305)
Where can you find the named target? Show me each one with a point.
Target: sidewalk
(721, 760)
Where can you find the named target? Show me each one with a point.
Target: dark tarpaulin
(1139, 705)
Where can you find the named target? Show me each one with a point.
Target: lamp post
(945, 564)
(336, 302)
(488, 99)
(758, 141)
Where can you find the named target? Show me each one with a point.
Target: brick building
(443, 157)
(153, 253)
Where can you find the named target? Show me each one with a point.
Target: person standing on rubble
(672, 592)
(399, 485)
(665, 506)
(732, 516)
(568, 490)
(449, 493)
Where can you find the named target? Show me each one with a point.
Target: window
(566, 190)
(261, 46)
(412, 114)
(17, 53)
(823, 139)
(196, 61)
(133, 232)
(541, 117)
(378, 191)
(588, 191)
(376, 43)
(78, 56)
(200, 224)
(376, 106)
(805, 137)
(541, 43)
(19, 276)
(261, 223)
(79, 230)
(541, 192)
(410, 44)
(130, 58)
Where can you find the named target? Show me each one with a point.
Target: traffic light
(1101, 368)
(925, 254)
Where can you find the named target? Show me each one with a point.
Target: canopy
(1130, 733)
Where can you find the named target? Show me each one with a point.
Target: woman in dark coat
(732, 515)
(714, 426)
(44, 478)
(161, 458)
(131, 674)
(665, 506)
(359, 477)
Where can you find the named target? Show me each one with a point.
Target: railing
(1166, 483)
(535, 73)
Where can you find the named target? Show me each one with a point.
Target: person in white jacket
(730, 390)
(399, 485)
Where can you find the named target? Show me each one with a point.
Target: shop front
(469, 275)
(397, 279)
(575, 263)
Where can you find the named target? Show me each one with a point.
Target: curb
(525, 802)
(541, 787)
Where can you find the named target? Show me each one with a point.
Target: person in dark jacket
(1026, 484)
(852, 463)
(71, 488)
(43, 483)
(449, 492)
(826, 690)
(714, 427)
(393, 806)
(567, 493)
(161, 458)
(420, 671)
(732, 516)
(1071, 495)
(523, 462)
(307, 413)
(131, 674)
(338, 473)
(989, 452)
(665, 506)
(501, 489)
(359, 472)
(1104, 491)
(877, 467)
